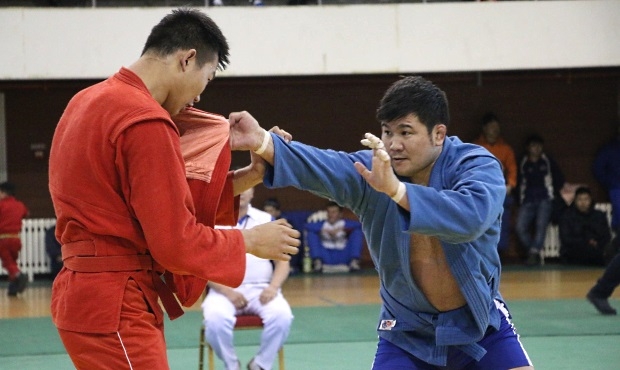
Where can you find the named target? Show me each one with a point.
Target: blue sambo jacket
(462, 207)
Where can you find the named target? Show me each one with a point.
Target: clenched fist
(276, 240)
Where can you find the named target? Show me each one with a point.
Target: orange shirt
(504, 153)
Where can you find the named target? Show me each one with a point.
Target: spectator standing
(584, 232)
(335, 241)
(258, 294)
(491, 140)
(540, 181)
(12, 213)
(607, 172)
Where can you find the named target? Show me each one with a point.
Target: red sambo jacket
(124, 208)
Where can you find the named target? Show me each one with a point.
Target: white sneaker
(218, 3)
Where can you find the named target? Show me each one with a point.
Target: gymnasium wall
(550, 67)
(572, 109)
(84, 43)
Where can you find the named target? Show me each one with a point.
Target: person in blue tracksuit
(335, 241)
(430, 207)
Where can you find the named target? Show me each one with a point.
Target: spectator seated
(335, 243)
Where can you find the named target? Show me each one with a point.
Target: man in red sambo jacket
(12, 213)
(125, 212)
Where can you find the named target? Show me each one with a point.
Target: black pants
(610, 279)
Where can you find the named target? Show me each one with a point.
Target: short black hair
(534, 139)
(8, 188)
(185, 29)
(583, 190)
(488, 118)
(331, 204)
(273, 202)
(414, 95)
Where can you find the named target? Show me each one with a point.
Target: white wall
(42, 43)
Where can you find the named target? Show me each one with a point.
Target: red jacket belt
(80, 257)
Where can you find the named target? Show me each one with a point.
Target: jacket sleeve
(312, 169)
(206, 152)
(189, 288)
(469, 201)
(160, 198)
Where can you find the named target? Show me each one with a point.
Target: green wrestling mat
(558, 334)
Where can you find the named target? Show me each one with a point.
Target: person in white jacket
(259, 294)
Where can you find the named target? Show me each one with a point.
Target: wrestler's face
(193, 81)
(413, 150)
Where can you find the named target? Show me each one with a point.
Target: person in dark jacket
(584, 232)
(540, 181)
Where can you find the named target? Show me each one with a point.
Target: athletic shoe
(601, 304)
(12, 291)
(22, 282)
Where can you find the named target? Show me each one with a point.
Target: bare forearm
(246, 178)
(280, 274)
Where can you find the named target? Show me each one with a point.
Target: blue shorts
(504, 351)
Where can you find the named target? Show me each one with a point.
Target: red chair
(244, 322)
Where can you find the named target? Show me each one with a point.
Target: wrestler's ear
(439, 134)
(188, 56)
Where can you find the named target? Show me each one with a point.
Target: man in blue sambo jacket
(430, 207)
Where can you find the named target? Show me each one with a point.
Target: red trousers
(138, 344)
(9, 251)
